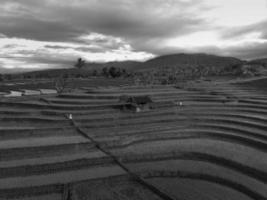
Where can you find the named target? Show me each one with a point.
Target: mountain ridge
(171, 60)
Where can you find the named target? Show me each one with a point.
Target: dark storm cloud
(34, 29)
(251, 51)
(122, 25)
(236, 32)
(92, 49)
(51, 21)
(246, 52)
(11, 46)
(141, 25)
(56, 47)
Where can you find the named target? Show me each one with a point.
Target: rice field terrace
(205, 141)
(32, 84)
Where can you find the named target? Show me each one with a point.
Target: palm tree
(80, 63)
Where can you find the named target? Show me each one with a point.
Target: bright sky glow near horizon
(37, 34)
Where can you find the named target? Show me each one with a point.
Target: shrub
(61, 83)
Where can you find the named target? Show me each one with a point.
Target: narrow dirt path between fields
(67, 194)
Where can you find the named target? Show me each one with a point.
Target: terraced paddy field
(72, 83)
(206, 141)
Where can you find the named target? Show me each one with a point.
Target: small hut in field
(136, 103)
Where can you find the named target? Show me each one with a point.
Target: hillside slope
(129, 65)
(262, 61)
(180, 60)
(202, 63)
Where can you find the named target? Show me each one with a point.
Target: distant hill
(262, 61)
(183, 60)
(74, 72)
(128, 65)
(4, 70)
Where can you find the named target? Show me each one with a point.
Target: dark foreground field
(204, 141)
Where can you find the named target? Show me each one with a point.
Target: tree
(8, 77)
(105, 72)
(94, 73)
(61, 83)
(113, 72)
(80, 63)
(123, 72)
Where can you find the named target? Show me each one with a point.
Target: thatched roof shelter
(139, 100)
(136, 103)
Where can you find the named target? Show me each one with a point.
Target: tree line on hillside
(172, 75)
(79, 71)
(112, 71)
(162, 75)
(108, 72)
(4, 77)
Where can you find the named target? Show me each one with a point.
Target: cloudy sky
(54, 33)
